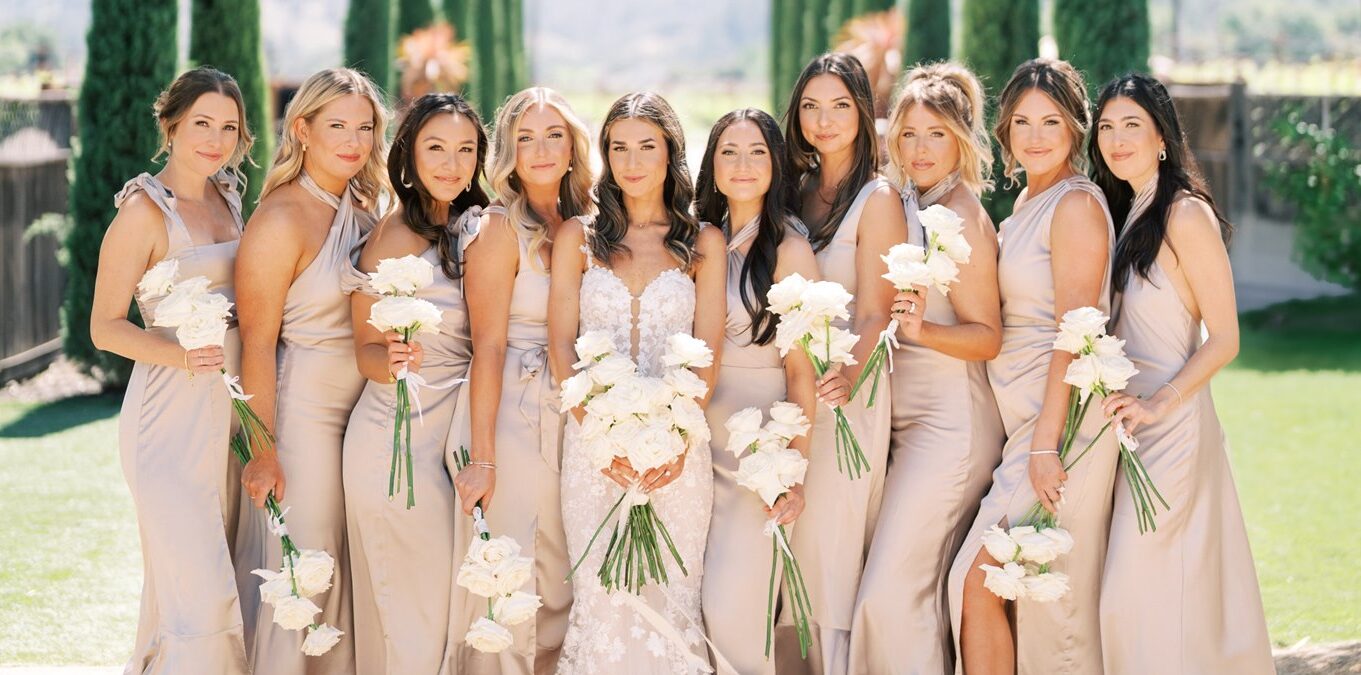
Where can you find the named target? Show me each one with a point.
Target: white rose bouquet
(1026, 553)
(769, 469)
(1100, 368)
(909, 265)
(396, 280)
(648, 421)
(495, 570)
(807, 309)
(199, 317)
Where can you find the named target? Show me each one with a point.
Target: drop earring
(405, 182)
(1162, 155)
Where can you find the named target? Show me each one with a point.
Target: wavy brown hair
(1063, 84)
(417, 202)
(174, 103)
(606, 236)
(804, 157)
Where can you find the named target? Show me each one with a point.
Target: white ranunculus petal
(488, 637)
(402, 276)
(321, 639)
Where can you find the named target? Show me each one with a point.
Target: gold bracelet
(1177, 391)
(484, 465)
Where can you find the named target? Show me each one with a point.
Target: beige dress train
(400, 558)
(1182, 599)
(173, 433)
(835, 529)
(1062, 636)
(947, 439)
(527, 505)
(738, 557)
(318, 385)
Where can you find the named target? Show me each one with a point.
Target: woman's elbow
(991, 346)
(98, 334)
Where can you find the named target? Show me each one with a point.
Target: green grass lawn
(70, 567)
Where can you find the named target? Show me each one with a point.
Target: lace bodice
(665, 307)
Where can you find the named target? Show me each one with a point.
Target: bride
(641, 271)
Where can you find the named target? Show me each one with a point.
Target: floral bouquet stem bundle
(909, 266)
(648, 422)
(396, 281)
(770, 468)
(199, 318)
(807, 310)
(495, 570)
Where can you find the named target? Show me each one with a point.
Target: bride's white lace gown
(606, 634)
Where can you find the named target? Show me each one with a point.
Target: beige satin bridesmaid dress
(173, 433)
(318, 386)
(835, 529)
(527, 505)
(738, 556)
(400, 559)
(1062, 636)
(1182, 599)
(947, 438)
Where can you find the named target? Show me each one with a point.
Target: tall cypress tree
(238, 52)
(928, 32)
(495, 28)
(1103, 40)
(132, 52)
(413, 15)
(787, 55)
(998, 36)
(370, 44)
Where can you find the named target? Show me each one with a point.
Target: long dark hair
(417, 202)
(777, 213)
(804, 157)
(1137, 249)
(606, 236)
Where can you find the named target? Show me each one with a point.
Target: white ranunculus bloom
(600, 452)
(1063, 541)
(688, 416)
(612, 369)
(760, 473)
(1078, 327)
(592, 346)
(1046, 587)
(1116, 370)
(1006, 582)
(837, 349)
(792, 327)
(396, 312)
(687, 351)
(785, 295)
(790, 466)
(743, 428)
(1108, 345)
(181, 304)
(276, 587)
(944, 272)
(158, 280)
(575, 389)
(684, 382)
(787, 420)
(477, 578)
(939, 219)
(314, 569)
(201, 330)
(906, 266)
(1037, 548)
(516, 608)
(656, 447)
(625, 433)
(827, 299)
(512, 573)
(1084, 373)
(1000, 545)
(402, 276)
(493, 551)
(321, 639)
(488, 637)
(294, 613)
(954, 245)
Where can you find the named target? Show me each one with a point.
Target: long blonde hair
(316, 92)
(953, 93)
(574, 190)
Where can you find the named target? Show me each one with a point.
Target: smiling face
(742, 164)
(339, 138)
(1129, 141)
(1039, 138)
(207, 136)
(446, 155)
(927, 146)
(543, 146)
(827, 115)
(638, 156)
